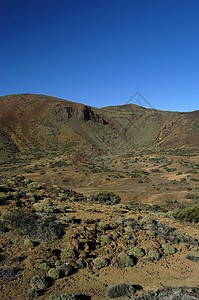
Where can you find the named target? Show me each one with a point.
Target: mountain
(43, 124)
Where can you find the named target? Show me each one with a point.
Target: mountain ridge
(30, 122)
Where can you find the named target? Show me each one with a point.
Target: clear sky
(100, 52)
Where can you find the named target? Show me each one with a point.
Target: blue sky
(100, 52)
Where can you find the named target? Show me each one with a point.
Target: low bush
(119, 290)
(45, 205)
(32, 293)
(171, 293)
(100, 262)
(153, 255)
(38, 282)
(7, 273)
(105, 239)
(45, 266)
(66, 269)
(68, 219)
(28, 243)
(49, 229)
(68, 253)
(135, 251)
(54, 273)
(25, 222)
(190, 214)
(3, 197)
(194, 258)
(105, 197)
(168, 249)
(125, 260)
(63, 297)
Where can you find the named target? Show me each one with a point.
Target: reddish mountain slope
(40, 123)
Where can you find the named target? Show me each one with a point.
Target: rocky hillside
(44, 124)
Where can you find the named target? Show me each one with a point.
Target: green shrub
(125, 260)
(67, 219)
(119, 220)
(105, 197)
(105, 239)
(114, 234)
(32, 293)
(38, 282)
(54, 273)
(168, 249)
(45, 266)
(104, 225)
(190, 214)
(100, 262)
(44, 206)
(117, 208)
(28, 243)
(34, 186)
(129, 229)
(68, 253)
(153, 255)
(135, 251)
(63, 196)
(61, 208)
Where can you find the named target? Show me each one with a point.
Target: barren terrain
(83, 221)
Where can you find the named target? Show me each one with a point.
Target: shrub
(105, 197)
(68, 253)
(190, 214)
(2, 227)
(193, 258)
(182, 293)
(34, 186)
(22, 220)
(66, 269)
(125, 260)
(25, 222)
(119, 290)
(54, 273)
(45, 266)
(114, 234)
(119, 220)
(63, 297)
(44, 206)
(38, 282)
(168, 249)
(117, 208)
(49, 229)
(63, 196)
(7, 273)
(32, 293)
(100, 262)
(67, 219)
(3, 197)
(105, 239)
(104, 225)
(61, 207)
(153, 255)
(129, 229)
(135, 251)
(28, 243)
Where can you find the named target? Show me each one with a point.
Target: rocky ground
(55, 241)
